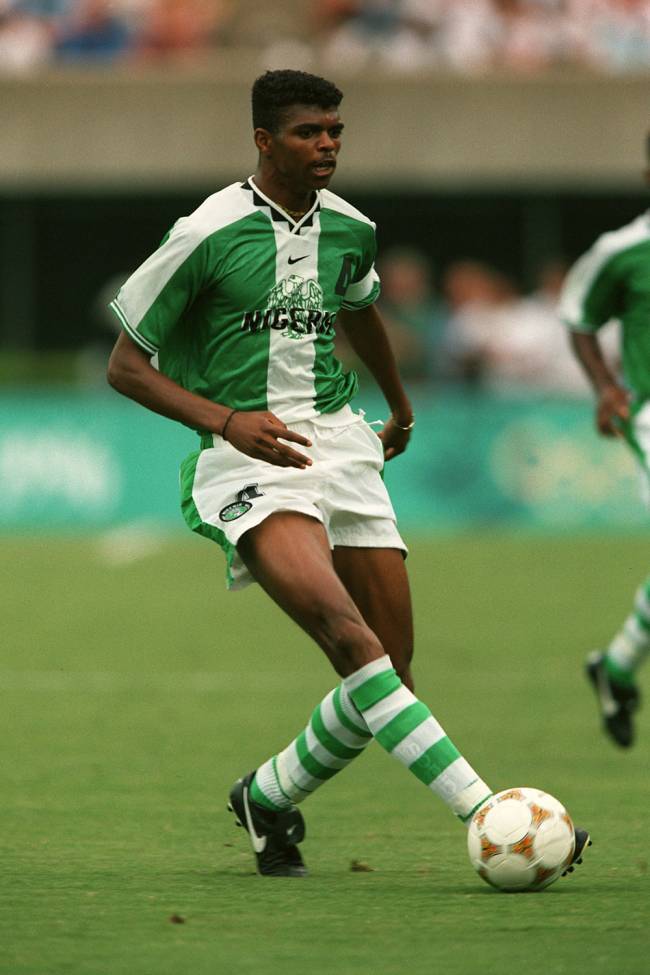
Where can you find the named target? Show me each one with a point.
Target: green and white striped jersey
(239, 301)
(612, 281)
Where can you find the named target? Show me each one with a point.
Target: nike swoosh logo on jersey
(259, 842)
(294, 260)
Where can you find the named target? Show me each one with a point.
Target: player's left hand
(394, 438)
(612, 410)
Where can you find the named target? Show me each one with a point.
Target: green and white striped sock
(630, 646)
(406, 728)
(335, 735)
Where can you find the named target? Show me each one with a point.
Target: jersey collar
(275, 212)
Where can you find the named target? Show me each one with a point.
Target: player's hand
(612, 408)
(394, 438)
(260, 434)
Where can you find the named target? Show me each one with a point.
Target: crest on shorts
(241, 504)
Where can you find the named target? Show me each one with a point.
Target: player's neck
(288, 198)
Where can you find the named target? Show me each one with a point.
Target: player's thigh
(377, 581)
(289, 556)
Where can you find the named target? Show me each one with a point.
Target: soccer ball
(521, 839)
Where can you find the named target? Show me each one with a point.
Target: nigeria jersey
(612, 280)
(239, 302)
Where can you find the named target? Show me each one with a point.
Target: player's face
(305, 148)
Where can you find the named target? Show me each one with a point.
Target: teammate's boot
(617, 702)
(274, 836)
(583, 840)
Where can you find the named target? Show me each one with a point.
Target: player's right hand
(612, 408)
(260, 434)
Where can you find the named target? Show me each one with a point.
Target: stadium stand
(465, 36)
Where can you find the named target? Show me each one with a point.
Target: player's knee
(349, 642)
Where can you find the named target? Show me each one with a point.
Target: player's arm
(612, 400)
(366, 334)
(256, 433)
(593, 294)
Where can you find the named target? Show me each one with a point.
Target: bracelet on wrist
(400, 427)
(228, 419)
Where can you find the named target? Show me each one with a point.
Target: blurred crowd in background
(466, 36)
(477, 329)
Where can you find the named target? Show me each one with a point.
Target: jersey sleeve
(591, 295)
(364, 287)
(155, 297)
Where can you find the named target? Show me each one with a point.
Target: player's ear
(263, 141)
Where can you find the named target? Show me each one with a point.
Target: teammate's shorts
(224, 493)
(637, 434)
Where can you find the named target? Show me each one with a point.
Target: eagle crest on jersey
(294, 308)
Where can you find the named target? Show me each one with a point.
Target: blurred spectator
(397, 34)
(534, 34)
(415, 317)
(470, 34)
(508, 342)
(25, 39)
(93, 32)
(183, 26)
(477, 296)
(615, 33)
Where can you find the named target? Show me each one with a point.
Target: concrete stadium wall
(80, 129)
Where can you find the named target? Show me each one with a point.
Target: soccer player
(238, 305)
(612, 281)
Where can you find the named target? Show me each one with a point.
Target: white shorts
(224, 493)
(638, 437)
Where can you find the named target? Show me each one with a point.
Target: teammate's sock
(630, 646)
(406, 728)
(335, 735)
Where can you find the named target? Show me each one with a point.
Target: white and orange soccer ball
(521, 839)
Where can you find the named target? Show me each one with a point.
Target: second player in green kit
(612, 281)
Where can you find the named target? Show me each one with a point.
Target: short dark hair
(276, 91)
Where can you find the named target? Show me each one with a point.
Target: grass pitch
(133, 691)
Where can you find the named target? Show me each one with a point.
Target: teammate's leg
(613, 672)
(629, 648)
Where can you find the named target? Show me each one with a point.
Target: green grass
(133, 694)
